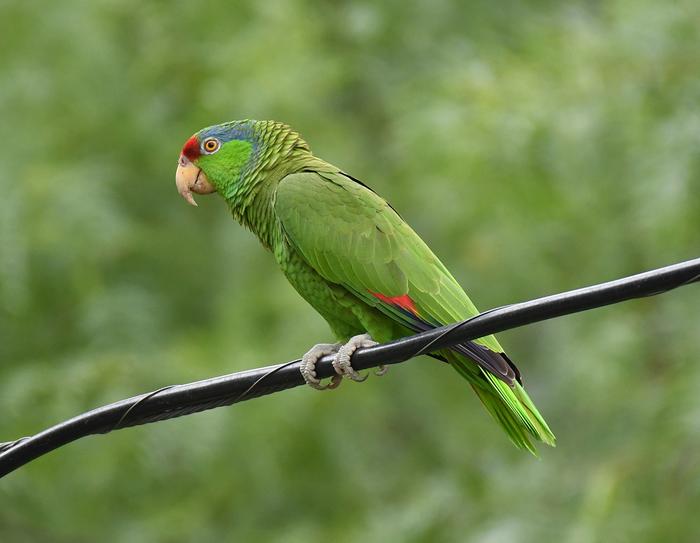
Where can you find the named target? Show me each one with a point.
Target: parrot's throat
(253, 208)
(277, 151)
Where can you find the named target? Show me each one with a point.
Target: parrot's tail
(510, 406)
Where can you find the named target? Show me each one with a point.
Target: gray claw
(342, 363)
(308, 365)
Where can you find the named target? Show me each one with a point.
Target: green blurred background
(536, 147)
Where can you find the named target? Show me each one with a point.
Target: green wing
(351, 236)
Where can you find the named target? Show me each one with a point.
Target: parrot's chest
(335, 304)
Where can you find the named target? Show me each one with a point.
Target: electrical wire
(179, 400)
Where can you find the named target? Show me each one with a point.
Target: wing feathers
(351, 236)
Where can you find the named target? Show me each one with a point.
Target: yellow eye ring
(211, 145)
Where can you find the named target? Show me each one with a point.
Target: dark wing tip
(512, 365)
(497, 363)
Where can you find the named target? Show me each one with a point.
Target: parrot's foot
(308, 365)
(341, 363)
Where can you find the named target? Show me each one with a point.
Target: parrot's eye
(211, 145)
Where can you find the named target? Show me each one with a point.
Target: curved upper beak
(189, 178)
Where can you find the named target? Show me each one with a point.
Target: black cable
(178, 400)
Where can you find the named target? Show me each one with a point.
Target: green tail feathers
(510, 406)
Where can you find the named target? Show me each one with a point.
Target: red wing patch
(404, 301)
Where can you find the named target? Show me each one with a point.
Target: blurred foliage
(536, 147)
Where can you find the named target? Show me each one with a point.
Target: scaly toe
(342, 362)
(308, 365)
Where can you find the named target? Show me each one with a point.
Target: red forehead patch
(191, 148)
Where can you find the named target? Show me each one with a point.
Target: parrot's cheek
(189, 178)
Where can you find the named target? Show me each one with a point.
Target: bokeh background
(536, 147)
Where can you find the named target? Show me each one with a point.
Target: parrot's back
(363, 250)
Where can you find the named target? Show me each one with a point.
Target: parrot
(351, 256)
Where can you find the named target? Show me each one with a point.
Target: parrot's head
(214, 159)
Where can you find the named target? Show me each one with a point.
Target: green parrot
(351, 256)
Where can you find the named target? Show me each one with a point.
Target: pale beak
(189, 178)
